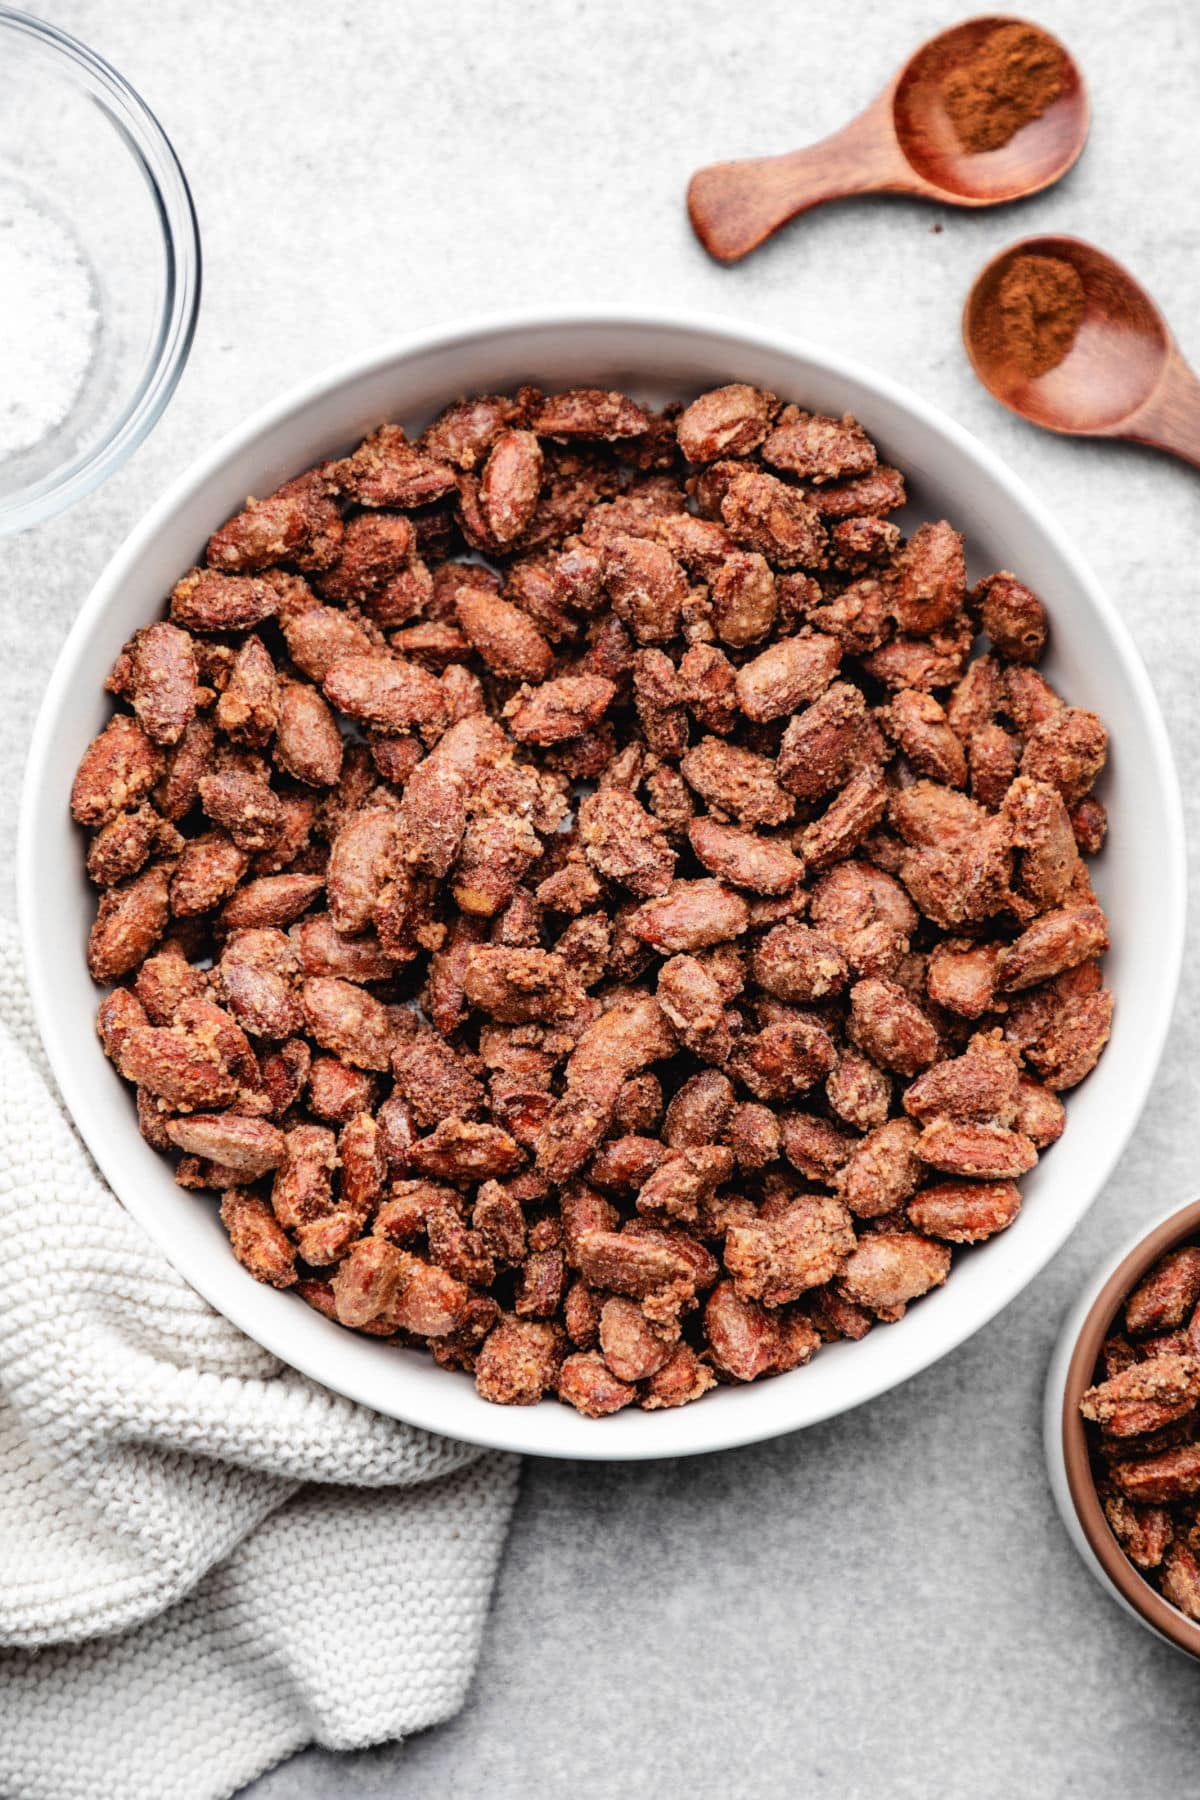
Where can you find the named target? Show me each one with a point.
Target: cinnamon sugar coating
(576, 896)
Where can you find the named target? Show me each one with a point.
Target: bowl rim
(1129, 1582)
(1154, 1019)
(152, 150)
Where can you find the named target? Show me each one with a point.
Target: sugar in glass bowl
(99, 270)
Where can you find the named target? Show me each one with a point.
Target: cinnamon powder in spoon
(1035, 314)
(1010, 80)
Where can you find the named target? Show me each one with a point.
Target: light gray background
(886, 1604)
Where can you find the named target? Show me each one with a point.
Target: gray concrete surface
(886, 1604)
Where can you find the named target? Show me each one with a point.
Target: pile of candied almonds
(1145, 1442)
(575, 888)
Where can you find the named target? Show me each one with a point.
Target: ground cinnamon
(1009, 80)
(1035, 314)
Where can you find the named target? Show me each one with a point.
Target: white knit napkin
(206, 1560)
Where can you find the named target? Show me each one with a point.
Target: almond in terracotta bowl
(1123, 1432)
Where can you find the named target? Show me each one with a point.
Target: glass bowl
(99, 270)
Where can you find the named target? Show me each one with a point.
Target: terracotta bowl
(1072, 1369)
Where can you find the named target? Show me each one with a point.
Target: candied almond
(726, 421)
(385, 691)
(1181, 1579)
(256, 1239)
(162, 687)
(646, 586)
(849, 818)
(166, 980)
(794, 670)
(122, 847)
(965, 1212)
(879, 490)
(764, 514)
(1144, 1397)
(588, 413)
(308, 743)
(962, 976)
(975, 1151)
(298, 523)
(700, 1110)
(1165, 1297)
(682, 1378)
(1013, 617)
(564, 708)
(242, 802)
(754, 1135)
(736, 782)
(743, 1337)
(1056, 941)
(505, 638)
(694, 1004)
(257, 973)
(460, 1149)
(858, 1091)
(889, 1269)
(816, 1147)
(890, 1028)
(632, 1348)
(742, 599)
(510, 483)
(691, 915)
(131, 919)
(249, 1147)
(794, 962)
(920, 728)
(1143, 1532)
(982, 1084)
(930, 580)
(882, 1171)
(778, 1259)
(823, 745)
(1068, 750)
(817, 448)
(271, 900)
(627, 1264)
(744, 858)
(117, 772)
(586, 1382)
(1169, 1475)
(681, 1181)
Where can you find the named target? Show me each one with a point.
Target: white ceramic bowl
(1140, 877)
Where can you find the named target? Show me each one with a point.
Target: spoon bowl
(1035, 157)
(1123, 375)
(904, 143)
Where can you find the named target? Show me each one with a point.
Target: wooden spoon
(1123, 376)
(903, 144)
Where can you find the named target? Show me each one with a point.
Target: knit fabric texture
(206, 1560)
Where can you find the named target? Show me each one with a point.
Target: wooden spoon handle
(1170, 419)
(734, 206)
